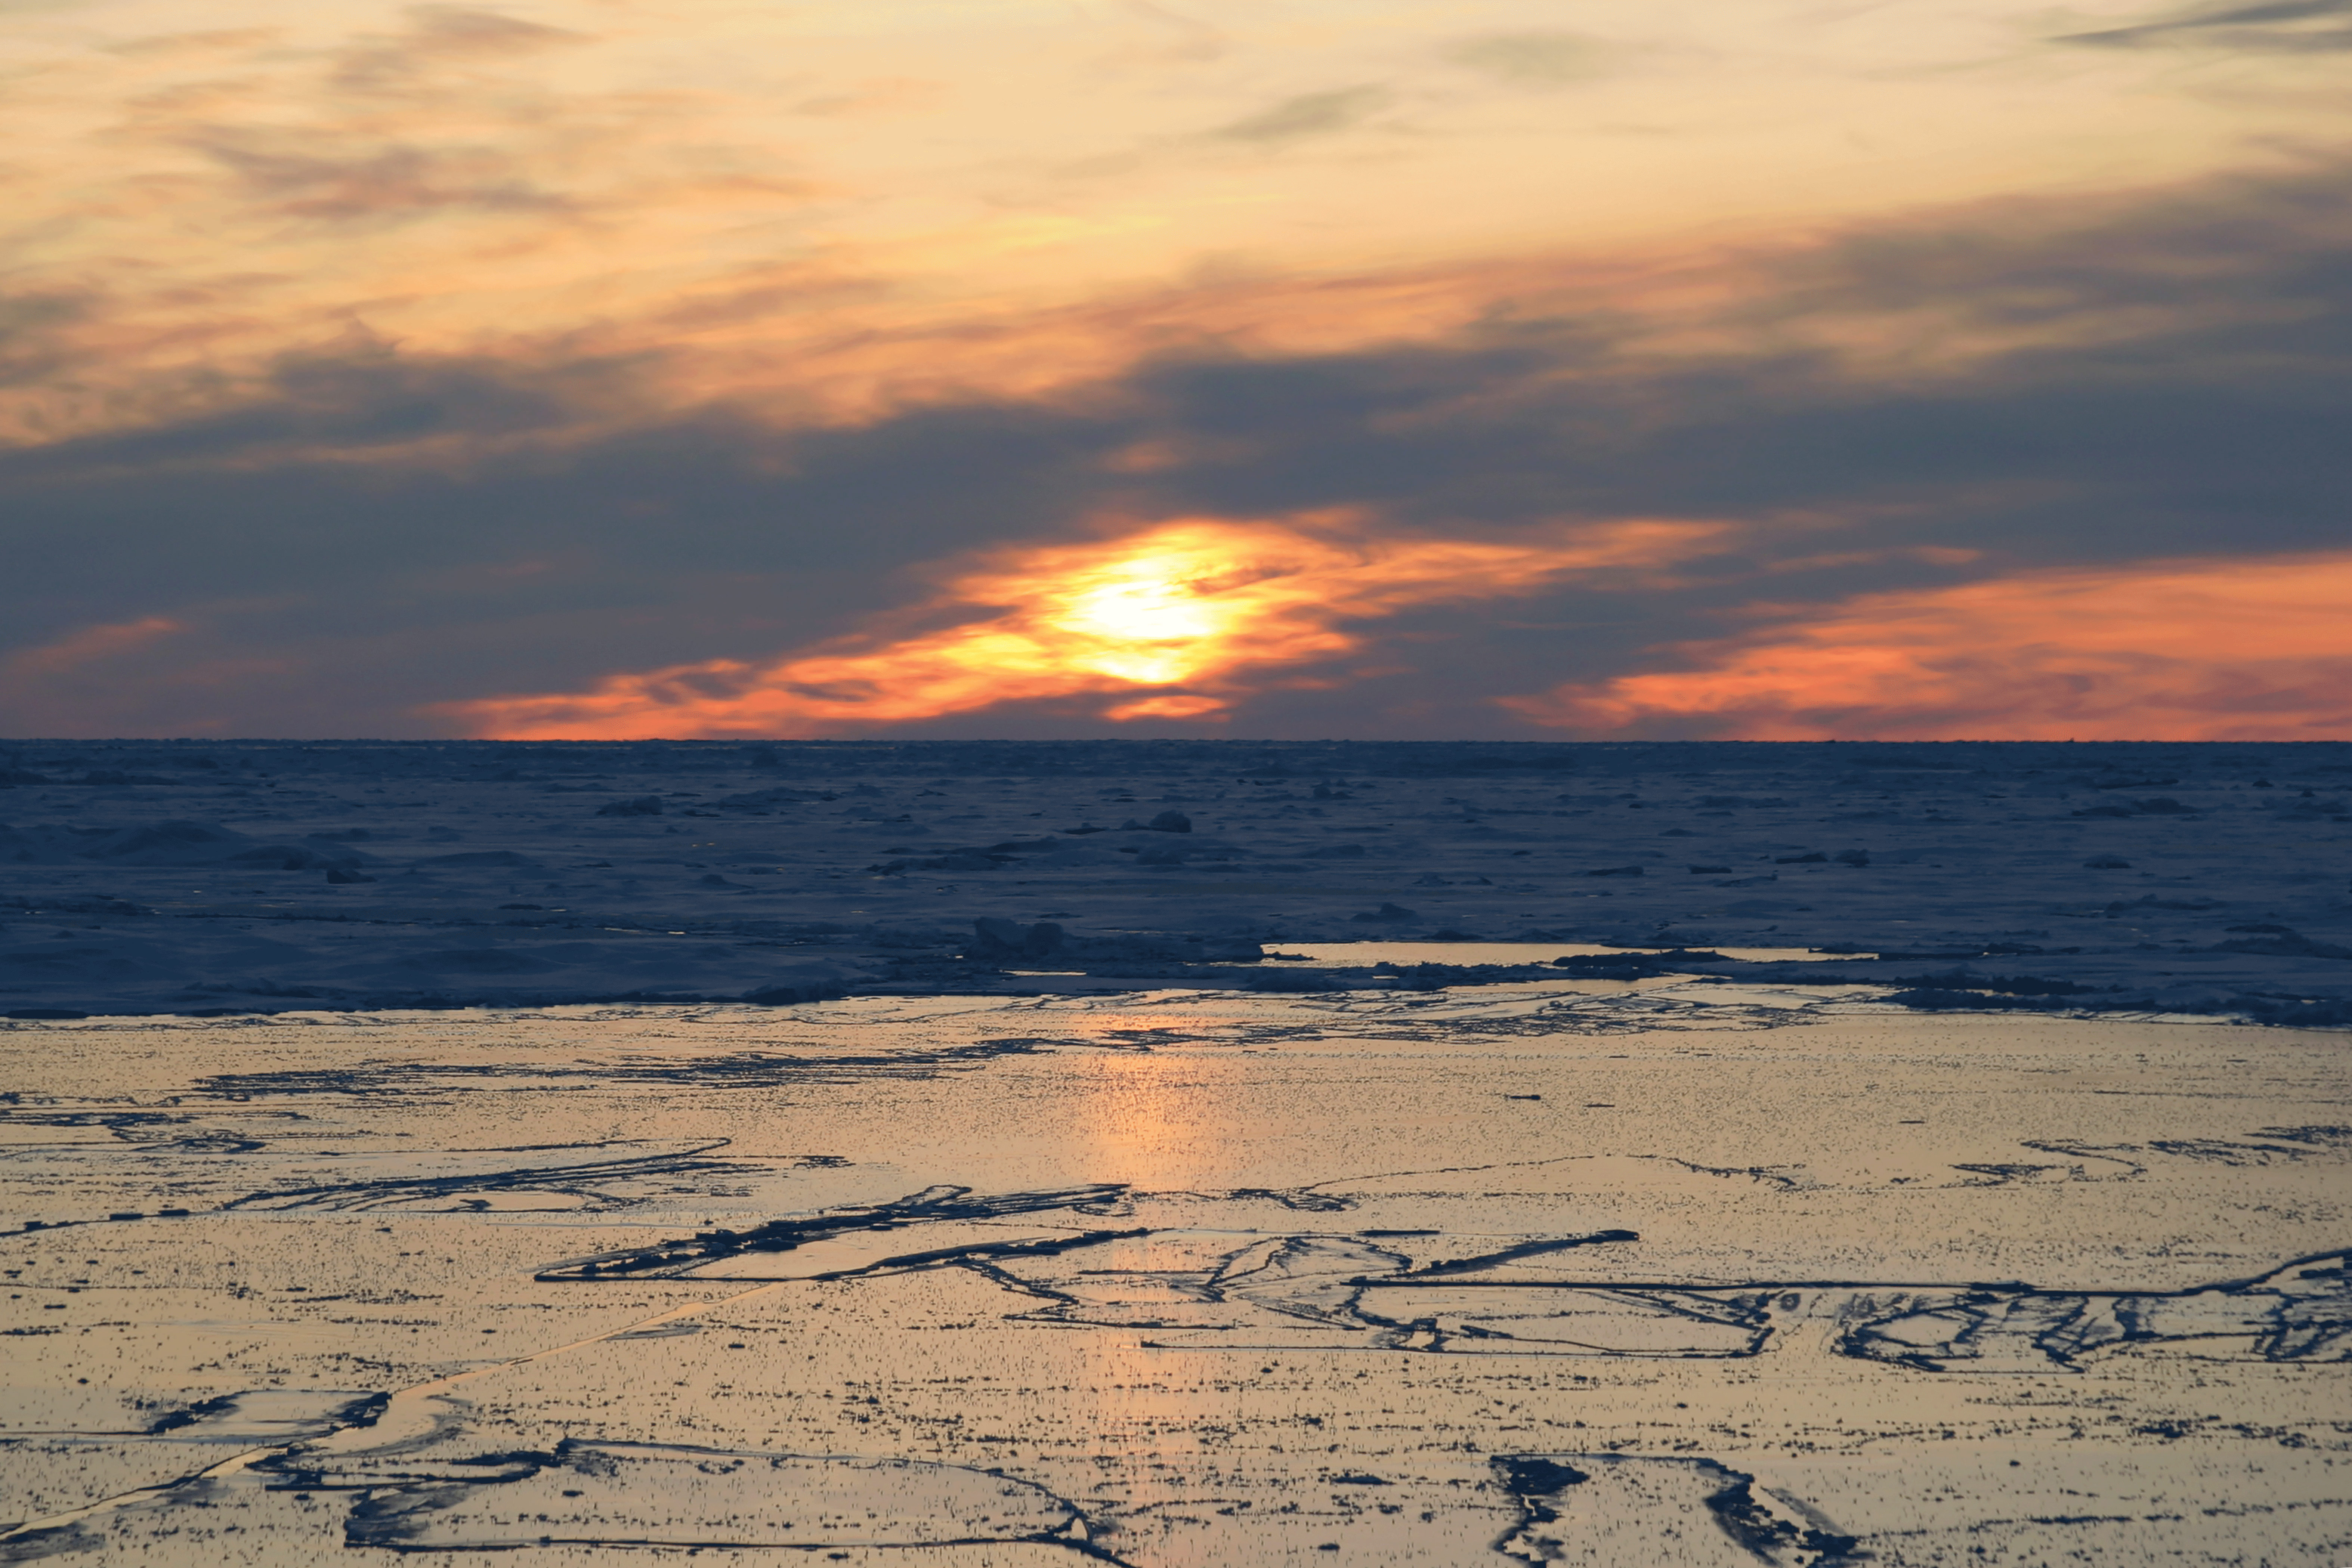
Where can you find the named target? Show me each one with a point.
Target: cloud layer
(436, 369)
(1171, 621)
(2179, 650)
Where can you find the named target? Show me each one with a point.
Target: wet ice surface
(1630, 1273)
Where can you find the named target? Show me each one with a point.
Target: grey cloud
(355, 397)
(205, 42)
(1187, 37)
(32, 347)
(437, 33)
(463, 30)
(2277, 27)
(384, 185)
(1537, 60)
(378, 583)
(1312, 114)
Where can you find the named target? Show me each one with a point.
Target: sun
(1149, 619)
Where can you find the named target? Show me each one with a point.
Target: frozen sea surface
(1637, 1272)
(228, 877)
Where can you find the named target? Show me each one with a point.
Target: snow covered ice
(186, 876)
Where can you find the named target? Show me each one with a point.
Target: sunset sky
(1492, 369)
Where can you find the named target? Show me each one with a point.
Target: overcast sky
(1292, 368)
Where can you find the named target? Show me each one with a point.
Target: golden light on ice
(1174, 620)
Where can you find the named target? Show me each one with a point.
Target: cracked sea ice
(1486, 1276)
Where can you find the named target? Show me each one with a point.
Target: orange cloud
(90, 644)
(151, 675)
(2175, 650)
(1027, 206)
(1173, 620)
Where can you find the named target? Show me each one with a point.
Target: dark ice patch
(2300, 1313)
(479, 858)
(1591, 1507)
(682, 1254)
(733, 1070)
(666, 1495)
(594, 1177)
(254, 1417)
